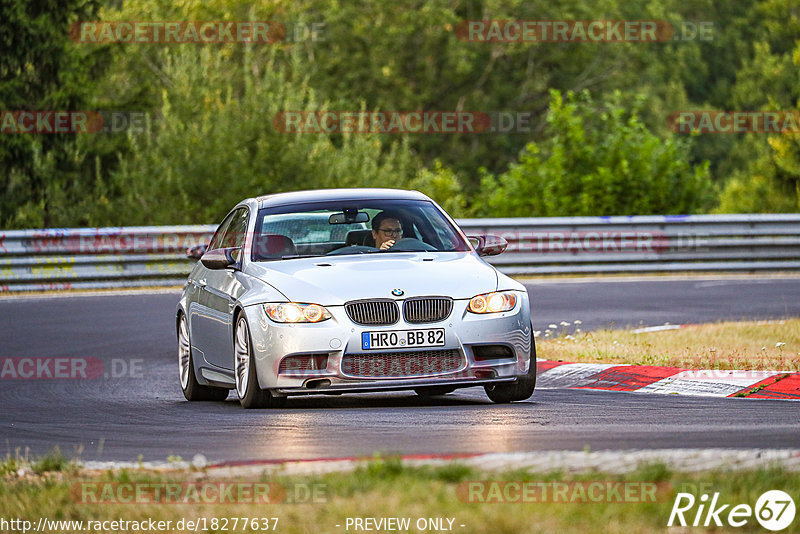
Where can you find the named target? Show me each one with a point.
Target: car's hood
(335, 280)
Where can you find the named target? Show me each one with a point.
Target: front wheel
(520, 390)
(192, 389)
(250, 393)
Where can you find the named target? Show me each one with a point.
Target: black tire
(254, 396)
(521, 389)
(194, 391)
(433, 391)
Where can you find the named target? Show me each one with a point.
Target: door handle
(201, 282)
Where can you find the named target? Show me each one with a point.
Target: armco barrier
(95, 258)
(154, 255)
(655, 243)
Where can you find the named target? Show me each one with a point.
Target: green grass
(9, 465)
(385, 487)
(51, 462)
(745, 345)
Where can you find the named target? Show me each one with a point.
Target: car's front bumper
(339, 338)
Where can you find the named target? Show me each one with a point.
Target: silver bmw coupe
(348, 291)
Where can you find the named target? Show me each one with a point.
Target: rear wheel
(192, 389)
(250, 393)
(520, 390)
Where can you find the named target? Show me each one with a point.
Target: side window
(432, 231)
(235, 233)
(216, 241)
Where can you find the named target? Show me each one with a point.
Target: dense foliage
(598, 141)
(597, 160)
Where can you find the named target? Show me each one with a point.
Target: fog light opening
(483, 353)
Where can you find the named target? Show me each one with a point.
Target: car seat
(272, 246)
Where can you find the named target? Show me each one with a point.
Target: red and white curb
(669, 380)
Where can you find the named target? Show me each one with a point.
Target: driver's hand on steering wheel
(386, 245)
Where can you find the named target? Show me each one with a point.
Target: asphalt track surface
(121, 418)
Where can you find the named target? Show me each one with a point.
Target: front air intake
(427, 309)
(402, 364)
(373, 312)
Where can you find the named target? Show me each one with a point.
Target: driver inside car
(386, 229)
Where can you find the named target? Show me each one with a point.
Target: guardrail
(35, 260)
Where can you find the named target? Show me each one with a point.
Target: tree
(41, 69)
(209, 144)
(442, 185)
(769, 178)
(597, 159)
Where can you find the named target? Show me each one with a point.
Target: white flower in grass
(779, 344)
(536, 333)
(564, 323)
(577, 322)
(553, 326)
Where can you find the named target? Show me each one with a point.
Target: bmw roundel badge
(397, 292)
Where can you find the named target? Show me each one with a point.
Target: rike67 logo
(774, 510)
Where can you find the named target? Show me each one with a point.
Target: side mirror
(196, 252)
(488, 245)
(221, 258)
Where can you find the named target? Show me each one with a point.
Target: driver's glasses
(391, 231)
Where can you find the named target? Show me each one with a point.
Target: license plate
(431, 337)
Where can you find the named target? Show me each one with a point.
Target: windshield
(353, 227)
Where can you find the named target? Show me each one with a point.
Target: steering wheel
(351, 249)
(411, 244)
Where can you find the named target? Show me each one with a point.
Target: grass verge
(387, 488)
(744, 345)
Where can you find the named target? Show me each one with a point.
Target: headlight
(493, 302)
(295, 312)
